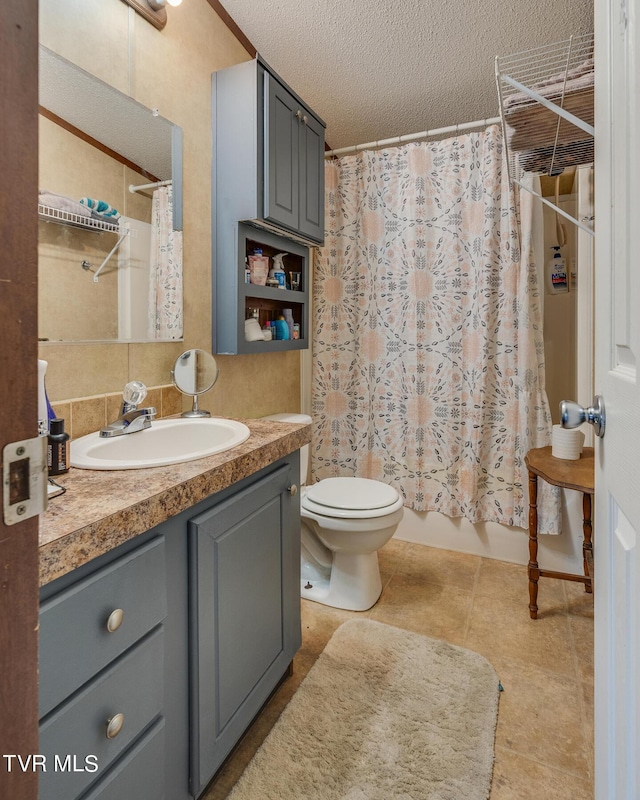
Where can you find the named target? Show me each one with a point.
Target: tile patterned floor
(544, 739)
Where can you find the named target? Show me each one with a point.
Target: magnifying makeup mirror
(194, 373)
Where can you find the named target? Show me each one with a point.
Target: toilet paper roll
(566, 443)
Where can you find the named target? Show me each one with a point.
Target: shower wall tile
(113, 405)
(63, 411)
(171, 401)
(154, 400)
(88, 415)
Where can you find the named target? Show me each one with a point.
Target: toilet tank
(300, 419)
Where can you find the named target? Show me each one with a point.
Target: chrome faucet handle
(133, 394)
(137, 419)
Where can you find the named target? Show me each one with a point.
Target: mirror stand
(194, 373)
(195, 411)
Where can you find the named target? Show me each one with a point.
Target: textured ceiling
(373, 69)
(105, 114)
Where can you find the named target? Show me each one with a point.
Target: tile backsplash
(88, 414)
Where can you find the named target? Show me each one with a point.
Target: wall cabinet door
(293, 163)
(282, 173)
(311, 168)
(244, 556)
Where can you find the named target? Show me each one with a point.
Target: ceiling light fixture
(154, 11)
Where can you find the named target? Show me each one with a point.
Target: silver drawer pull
(293, 490)
(114, 726)
(115, 620)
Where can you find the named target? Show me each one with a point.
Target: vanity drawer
(138, 774)
(81, 629)
(134, 688)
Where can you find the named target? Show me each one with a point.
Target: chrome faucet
(131, 417)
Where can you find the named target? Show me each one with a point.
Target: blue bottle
(282, 329)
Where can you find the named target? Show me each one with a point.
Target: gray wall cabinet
(268, 158)
(268, 173)
(208, 622)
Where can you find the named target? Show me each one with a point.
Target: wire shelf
(68, 218)
(50, 214)
(546, 107)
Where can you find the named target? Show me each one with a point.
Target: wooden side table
(578, 475)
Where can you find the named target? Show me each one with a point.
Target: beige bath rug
(384, 714)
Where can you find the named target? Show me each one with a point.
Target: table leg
(587, 546)
(534, 571)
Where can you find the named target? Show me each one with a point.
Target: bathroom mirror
(194, 373)
(99, 279)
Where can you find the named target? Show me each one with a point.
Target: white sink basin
(167, 441)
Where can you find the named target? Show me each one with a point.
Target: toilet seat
(351, 498)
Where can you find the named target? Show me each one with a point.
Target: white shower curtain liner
(165, 274)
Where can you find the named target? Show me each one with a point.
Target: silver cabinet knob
(573, 414)
(115, 725)
(298, 114)
(293, 490)
(305, 119)
(115, 620)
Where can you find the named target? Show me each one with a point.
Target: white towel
(60, 201)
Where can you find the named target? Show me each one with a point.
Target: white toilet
(345, 521)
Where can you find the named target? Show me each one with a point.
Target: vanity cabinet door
(244, 556)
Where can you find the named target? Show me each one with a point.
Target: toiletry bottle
(43, 415)
(288, 315)
(557, 281)
(57, 448)
(296, 330)
(45, 412)
(277, 271)
(282, 329)
(258, 267)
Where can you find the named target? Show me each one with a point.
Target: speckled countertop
(103, 509)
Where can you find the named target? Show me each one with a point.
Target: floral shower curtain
(428, 354)
(165, 275)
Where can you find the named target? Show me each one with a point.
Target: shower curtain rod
(143, 186)
(412, 137)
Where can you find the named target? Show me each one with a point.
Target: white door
(617, 379)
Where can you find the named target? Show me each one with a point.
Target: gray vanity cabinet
(168, 644)
(103, 636)
(245, 612)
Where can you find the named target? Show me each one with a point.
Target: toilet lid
(352, 494)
